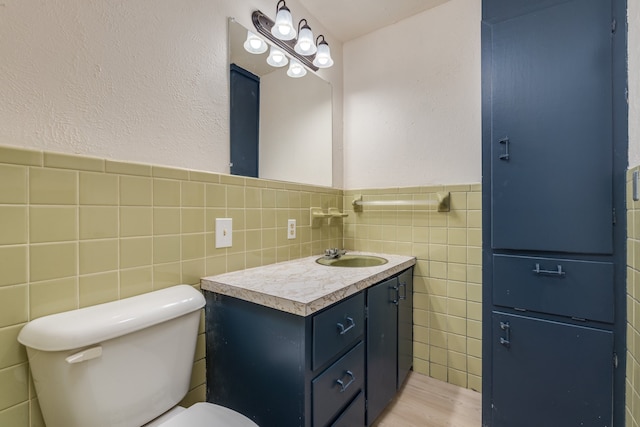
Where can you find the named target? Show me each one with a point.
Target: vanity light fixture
(305, 45)
(311, 54)
(323, 56)
(296, 69)
(254, 44)
(277, 58)
(283, 28)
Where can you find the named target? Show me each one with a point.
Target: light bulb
(283, 27)
(254, 44)
(323, 57)
(277, 57)
(296, 69)
(305, 45)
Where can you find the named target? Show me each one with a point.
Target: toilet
(125, 363)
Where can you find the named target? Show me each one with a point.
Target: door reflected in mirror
(281, 127)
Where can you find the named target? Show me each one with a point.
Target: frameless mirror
(293, 118)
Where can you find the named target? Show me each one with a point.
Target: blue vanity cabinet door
(405, 325)
(258, 361)
(551, 128)
(550, 374)
(382, 346)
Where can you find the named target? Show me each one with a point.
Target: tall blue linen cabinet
(554, 137)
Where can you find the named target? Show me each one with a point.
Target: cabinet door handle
(344, 330)
(505, 155)
(402, 296)
(558, 272)
(344, 386)
(396, 288)
(506, 340)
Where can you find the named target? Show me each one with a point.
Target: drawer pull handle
(557, 272)
(344, 386)
(344, 330)
(506, 340)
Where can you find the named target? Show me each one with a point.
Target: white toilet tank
(122, 363)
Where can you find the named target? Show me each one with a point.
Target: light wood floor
(427, 402)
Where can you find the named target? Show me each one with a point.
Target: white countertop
(303, 286)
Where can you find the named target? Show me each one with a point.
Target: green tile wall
(632, 389)
(78, 231)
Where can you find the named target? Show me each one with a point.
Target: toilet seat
(205, 414)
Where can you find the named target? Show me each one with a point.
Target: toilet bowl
(125, 363)
(203, 414)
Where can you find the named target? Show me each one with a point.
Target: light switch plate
(291, 229)
(224, 232)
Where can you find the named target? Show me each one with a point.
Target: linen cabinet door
(551, 128)
(547, 373)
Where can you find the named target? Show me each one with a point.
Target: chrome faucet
(334, 253)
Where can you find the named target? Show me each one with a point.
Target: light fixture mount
(264, 24)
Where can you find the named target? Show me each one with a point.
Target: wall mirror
(294, 119)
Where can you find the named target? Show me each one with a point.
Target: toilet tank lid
(90, 325)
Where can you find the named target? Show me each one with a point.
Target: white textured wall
(142, 80)
(412, 101)
(634, 81)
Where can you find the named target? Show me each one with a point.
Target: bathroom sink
(352, 261)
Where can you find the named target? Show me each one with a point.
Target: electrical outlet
(291, 229)
(224, 232)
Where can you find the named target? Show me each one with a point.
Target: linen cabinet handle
(558, 272)
(504, 156)
(344, 386)
(344, 330)
(506, 340)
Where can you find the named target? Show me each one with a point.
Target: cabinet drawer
(336, 328)
(581, 289)
(353, 415)
(333, 389)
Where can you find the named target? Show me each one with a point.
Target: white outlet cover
(224, 232)
(291, 229)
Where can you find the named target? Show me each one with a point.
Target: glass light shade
(283, 27)
(277, 58)
(296, 69)
(323, 57)
(254, 44)
(305, 45)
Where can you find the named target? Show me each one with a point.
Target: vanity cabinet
(281, 369)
